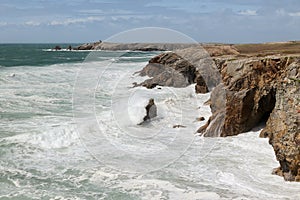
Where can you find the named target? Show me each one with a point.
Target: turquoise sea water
(37, 55)
(68, 131)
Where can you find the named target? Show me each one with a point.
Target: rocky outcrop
(256, 90)
(248, 94)
(151, 110)
(247, 89)
(87, 46)
(133, 46)
(169, 69)
(212, 49)
(283, 125)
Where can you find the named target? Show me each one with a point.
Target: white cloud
(248, 12)
(32, 23)
(69, 21)
(3, 24)
(294, 14)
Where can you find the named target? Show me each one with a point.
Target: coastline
(254, 78)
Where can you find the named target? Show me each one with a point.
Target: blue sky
(227, 21)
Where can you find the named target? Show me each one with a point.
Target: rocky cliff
(252, 89)
(250, 86)
(283, 125)
(258, 90)
(183, 67)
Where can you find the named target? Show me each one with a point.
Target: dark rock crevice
(266, 105)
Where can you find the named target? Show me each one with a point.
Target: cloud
(248, 12)
(70, 21)
(32, 23)
(3, 24)
(294, 14)
(202, 20)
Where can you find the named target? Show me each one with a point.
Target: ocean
(69, 130)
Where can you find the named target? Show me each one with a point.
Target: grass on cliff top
(292, 47)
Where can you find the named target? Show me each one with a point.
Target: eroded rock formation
(169, 69)
(253, 90)
(254, 83)
(250, 87)
(283, 125)
(256, 90)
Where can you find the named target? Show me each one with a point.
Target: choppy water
(47, 154)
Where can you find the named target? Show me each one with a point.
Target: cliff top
(215, 50)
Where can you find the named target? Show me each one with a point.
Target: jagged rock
(169, 69)
(255, 90)
(283, 125)
(151, 110)
(248, 94)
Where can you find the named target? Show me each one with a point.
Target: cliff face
(260, 89)
(253, 90)
(250, 89)
(283, 125)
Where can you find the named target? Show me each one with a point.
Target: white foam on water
(136, 108)
(51, 138)
(160, 189)
(46, 158)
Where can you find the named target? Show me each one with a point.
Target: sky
(78, 21)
